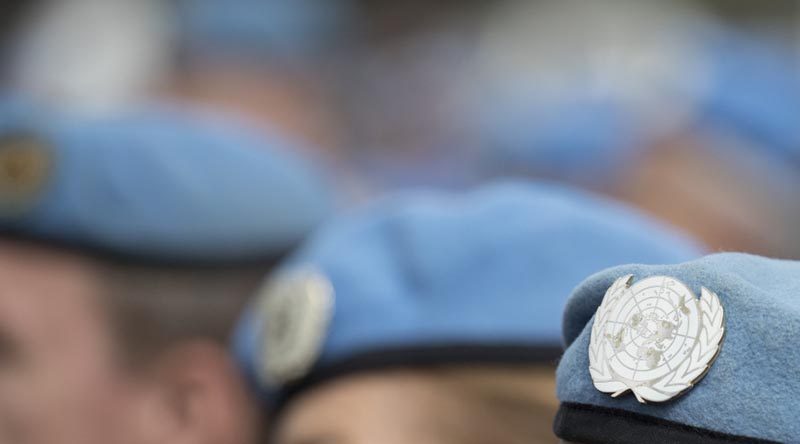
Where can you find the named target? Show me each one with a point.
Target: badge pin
(296, 308)
(25, 165)
(654, 338)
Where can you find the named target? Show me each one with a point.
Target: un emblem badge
(296, 308)
(654, 338)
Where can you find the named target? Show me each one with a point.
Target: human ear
(200, 397)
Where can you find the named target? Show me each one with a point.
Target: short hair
(153, 307)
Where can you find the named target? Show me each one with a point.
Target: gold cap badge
(25, 165)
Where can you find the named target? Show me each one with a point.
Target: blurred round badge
(296, 309)
(25, 165)
(654, 338)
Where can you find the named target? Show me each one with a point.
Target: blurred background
(689, 110)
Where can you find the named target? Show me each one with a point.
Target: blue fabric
(169, 185)
(260, 27)
(492, 267)
(740, 84)
(587, 139)
(754, 92)
(753, 388)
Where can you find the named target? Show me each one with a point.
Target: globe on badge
(296, 306)
(654, 338)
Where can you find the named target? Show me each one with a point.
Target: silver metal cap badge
(654, 338)
(296, 308)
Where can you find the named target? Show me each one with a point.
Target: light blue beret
(586, 140)
(259, 28)
(754, 91)
(751, 393)
(160, 184)
(437, 278)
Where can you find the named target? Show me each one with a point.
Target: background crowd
(686, 109)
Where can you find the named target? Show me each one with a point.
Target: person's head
(435, 318)
(743, 123)
(128, 246)
(96, 351)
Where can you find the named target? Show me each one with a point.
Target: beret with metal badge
(161, 184)
(699, 352)
(429, 278)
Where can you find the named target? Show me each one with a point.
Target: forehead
(387, 407)
(44, 285)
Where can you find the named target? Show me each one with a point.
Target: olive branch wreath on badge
(654, 338)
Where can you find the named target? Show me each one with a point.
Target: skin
(62, 380)
(369, 402)
(723, 201)
(394, 407)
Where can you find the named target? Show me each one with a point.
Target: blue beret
(443, 278)
(751, 393)
(586, 139)
(158, 184)
(754, 92)
(257, 28)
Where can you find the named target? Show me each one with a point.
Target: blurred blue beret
(426, 278)
(753, 91)
(751, 393)
(586, 140)
(159, 184)
(259, 28)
